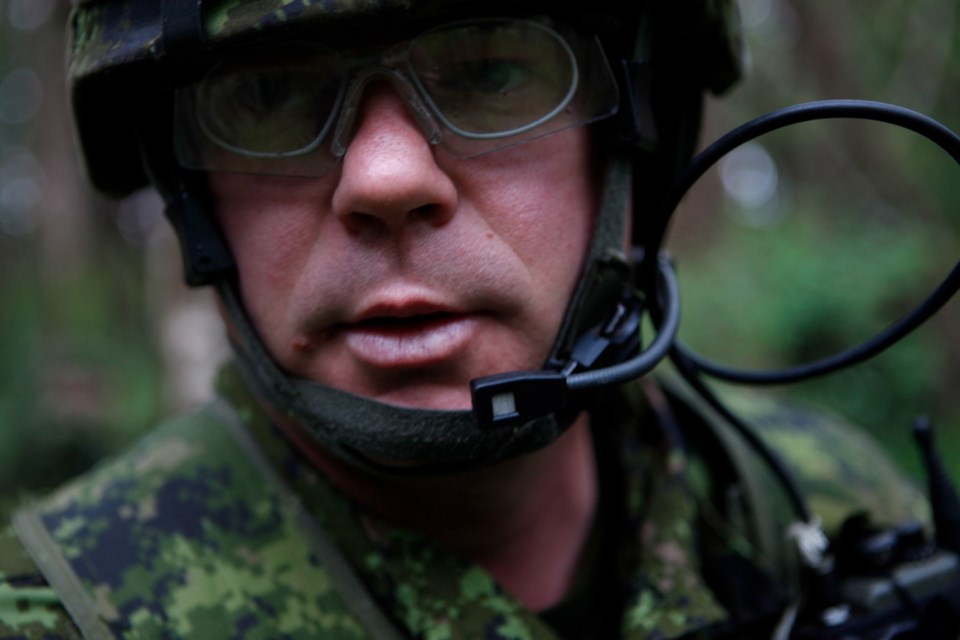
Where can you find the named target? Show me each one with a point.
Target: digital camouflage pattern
(180, 539)
(215, 527)
(186, 537)
(28, 607)
(840, 469)
(113, 33)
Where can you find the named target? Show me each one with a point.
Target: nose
(389, 175)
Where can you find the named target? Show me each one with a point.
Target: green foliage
(818, 282)
(80, 379)
(864, 222)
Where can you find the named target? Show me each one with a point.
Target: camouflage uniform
(215, 527)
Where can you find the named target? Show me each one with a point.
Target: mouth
(409, 338)
(400, 325)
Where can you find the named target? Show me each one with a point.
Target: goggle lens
(267, 109)
(493, 78)
(490, 84)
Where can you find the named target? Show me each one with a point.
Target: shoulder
(186, 535)
(29, 608)
(96, 526)
(841, 472)
(840, 468)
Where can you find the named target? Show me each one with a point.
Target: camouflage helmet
(124, 53)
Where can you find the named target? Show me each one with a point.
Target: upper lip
(394, 303)
(397, 312)
(392, 311)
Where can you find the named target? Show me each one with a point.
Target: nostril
(365, 224)
(372, 226)
(432, 213)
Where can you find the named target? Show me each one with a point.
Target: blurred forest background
(803, 243)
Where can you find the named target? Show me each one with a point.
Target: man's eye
(265, 113)
(264, 96)
(489, 75)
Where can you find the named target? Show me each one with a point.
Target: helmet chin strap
(368, 433)
(373, 434)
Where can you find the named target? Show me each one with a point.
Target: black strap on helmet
(206, 255)
(182, 26)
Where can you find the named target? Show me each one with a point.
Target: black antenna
(944, 501)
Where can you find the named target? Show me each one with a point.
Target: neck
(524, 520)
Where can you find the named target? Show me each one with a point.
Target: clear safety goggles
(473, 87)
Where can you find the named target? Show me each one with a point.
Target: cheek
(271, 228)
(269, 223)
(545, 205)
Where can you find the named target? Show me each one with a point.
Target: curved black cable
(690, 371)
(860, 353)
(859, 109)
(692, 366)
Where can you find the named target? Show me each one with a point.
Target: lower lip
(416, 344)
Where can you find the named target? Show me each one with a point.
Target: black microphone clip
(515, 398)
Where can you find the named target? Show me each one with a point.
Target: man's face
(406, 272)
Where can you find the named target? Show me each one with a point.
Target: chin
(436, 398)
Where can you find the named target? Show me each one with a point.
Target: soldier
(394, 200)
